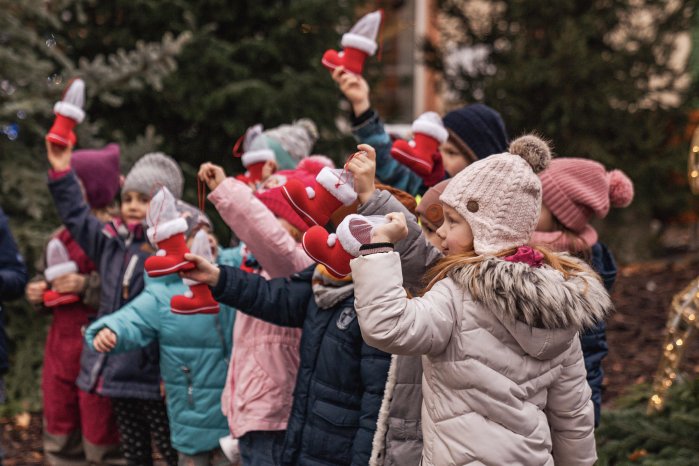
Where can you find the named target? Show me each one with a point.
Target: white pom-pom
(310, 192)
(188, 294)
(161, 253)
(411, 143)
(332, 239)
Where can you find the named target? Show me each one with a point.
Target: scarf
(328, 290)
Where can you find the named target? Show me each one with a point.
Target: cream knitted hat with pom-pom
(500, 196)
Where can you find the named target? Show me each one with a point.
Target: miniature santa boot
(418, 155)
(59, 264)
(357, 45)
(327, 250)
(333, 188)
(255, 153)
(166, 229)
(198, 299)
(69, 112)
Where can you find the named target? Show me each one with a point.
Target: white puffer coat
(504, 378)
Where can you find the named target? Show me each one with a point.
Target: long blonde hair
(567, 266)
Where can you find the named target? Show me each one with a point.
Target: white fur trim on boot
(255, 156)
(69, 110)
(430, 123)
(344, 193)
(189, 282)
(355, 41)
(347, 240)
(167, 230)
(58, 270)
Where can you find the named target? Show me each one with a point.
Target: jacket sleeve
(280, 301)
(273, 247)
(136, 325)
(570, 413)
(13, 272)
(371, 131)
(389, 320)
(75, 215)
(594, 348)
(416, 253)
(374, 367)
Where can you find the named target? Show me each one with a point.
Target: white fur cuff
(69, 110)
(355, 41)
(167, 230)
(344, 193)
(347, 240)
(433, 130)
(58, 270)
(255, 156)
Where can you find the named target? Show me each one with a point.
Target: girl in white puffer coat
(504, 378)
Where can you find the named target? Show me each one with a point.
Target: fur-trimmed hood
(540, 307)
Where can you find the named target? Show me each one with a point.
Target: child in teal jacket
(194, 353)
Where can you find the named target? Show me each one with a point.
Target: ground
(635, 333)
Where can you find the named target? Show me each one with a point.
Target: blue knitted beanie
(480, 127)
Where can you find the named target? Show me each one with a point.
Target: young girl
(119, 249)
(79, 427)
(504, 380)
(194, 351)
(575, 190)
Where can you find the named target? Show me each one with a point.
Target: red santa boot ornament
(255, 154)
(357, 45)
(419, 154)
(69, 112)
(58, 264)
(198, 299)
(166, 230)
(333, 188)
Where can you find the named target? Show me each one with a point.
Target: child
(573, 191)
(475, 132)
(79, 427)
(504, 381)
(341, 380)
(430, 214)
(194, 351)
(118, 249)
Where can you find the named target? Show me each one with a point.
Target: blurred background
(612, 80)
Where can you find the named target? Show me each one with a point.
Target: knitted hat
(575, 190)
(194, 217)
(429, 206)
(274, 200)
(291, 143)
(500, 196)
(152, 171)
(98, 170)
(480, 127)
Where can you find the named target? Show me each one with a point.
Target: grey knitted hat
(500, 196)
(152, 171)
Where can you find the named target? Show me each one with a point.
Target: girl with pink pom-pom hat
(574, 191)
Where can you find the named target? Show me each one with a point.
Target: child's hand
(363, 168)
(395, 230)
(212, 175)
(203, 271)
(69, 283)
(355, 89)
(59, 157)
(35, 291)
(104, 341)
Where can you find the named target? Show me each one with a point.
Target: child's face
(134, 206)
(546, 222)
(455, 233)
(454, 161)
(429, 229)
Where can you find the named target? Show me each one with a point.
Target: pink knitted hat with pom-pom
(575, 190)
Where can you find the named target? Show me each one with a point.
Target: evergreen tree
(34, 68)
(594, 76)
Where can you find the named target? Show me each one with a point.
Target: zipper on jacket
(127, 277)
(224, 348)
(190, 388)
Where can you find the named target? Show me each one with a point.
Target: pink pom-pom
(620, 188)
(315, 163)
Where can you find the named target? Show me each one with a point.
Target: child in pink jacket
(262, 373)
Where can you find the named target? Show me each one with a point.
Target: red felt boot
(69, 112)
(254, 154)
(332, 189)
(327, 250)
(166, 229)
(418, 154)
(54, 299)
(357, 45)
(58, 264)
(198, 300)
